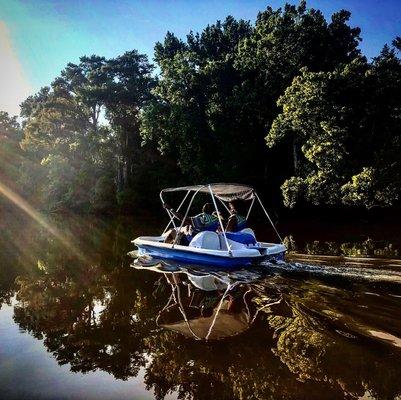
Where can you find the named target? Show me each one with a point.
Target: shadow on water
(285, 331)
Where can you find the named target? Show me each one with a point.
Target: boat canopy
(223, 191)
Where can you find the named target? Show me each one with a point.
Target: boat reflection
(205, 305)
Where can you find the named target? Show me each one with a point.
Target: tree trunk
(295, 155)
(120, 173)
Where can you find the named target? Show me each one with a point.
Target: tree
(65, 127)
(282, 43)
(216, 95)
(10, 151)
(192, 116)
(62, 131)
(128, 90)
(376, 181)
(347, 125)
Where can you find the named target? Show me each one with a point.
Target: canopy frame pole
(268, 217)
(178, 209)
(229, 287)
(175, 288)
(171, 216)
(168, 213)
(250, 208)
(220, 221)
(224, 204)
(185, 217)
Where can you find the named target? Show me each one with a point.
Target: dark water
(78, 322)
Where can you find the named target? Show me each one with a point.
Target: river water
(80, 320)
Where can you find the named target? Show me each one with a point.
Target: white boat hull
(247, 255)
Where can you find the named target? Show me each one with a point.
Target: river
(79, 320)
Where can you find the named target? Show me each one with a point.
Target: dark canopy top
(223, 191)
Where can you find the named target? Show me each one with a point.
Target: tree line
(288, 104)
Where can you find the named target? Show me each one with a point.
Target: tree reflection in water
(273, 335)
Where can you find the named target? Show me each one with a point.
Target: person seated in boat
(237, 220)
(207, 220)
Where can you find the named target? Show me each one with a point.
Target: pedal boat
(223, 249)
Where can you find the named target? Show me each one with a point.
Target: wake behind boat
(208, 242)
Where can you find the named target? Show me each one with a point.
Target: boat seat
(241, 237)
(249, 231)
(206, 240)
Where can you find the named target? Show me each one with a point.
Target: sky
(39, 37)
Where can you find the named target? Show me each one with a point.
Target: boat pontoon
(216, 248)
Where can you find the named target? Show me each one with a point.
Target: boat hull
(188, 257)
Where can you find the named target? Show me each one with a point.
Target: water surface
(77, 321)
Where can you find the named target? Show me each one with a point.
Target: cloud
(14, 87)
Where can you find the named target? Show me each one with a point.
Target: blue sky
(39, 37)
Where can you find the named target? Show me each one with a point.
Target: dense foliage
(83, 130)
(288, 101)
(346, 125)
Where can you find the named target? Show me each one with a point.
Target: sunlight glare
(17, 200)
